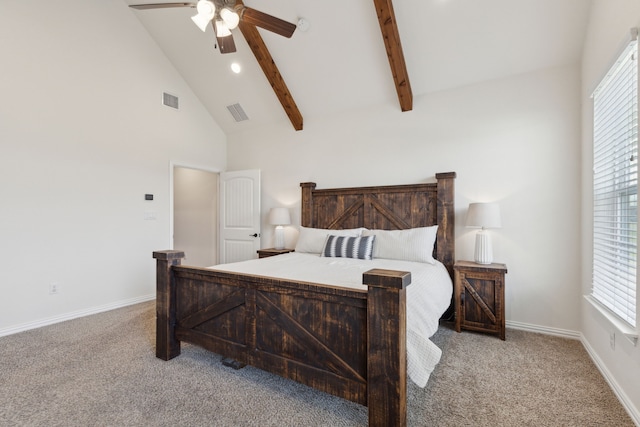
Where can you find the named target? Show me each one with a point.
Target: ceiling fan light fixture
(206, 11)
(230, 18)
(221, 29)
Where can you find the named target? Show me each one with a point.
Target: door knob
(253, 235)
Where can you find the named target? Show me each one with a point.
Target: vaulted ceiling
(340, 63)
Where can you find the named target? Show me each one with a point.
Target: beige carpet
(101, 371)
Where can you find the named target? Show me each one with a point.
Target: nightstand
(263, 253)
(479, 297)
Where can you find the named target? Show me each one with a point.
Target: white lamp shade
(230, 18)
(201, 22)
(279, 216)
(221, 29)
(484, 215)
(206, 11)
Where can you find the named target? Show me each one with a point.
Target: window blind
(615, 186)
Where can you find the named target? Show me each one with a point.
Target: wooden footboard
(345, 342)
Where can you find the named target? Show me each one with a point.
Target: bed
(349, 341)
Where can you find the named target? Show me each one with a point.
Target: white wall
(83, 138)
(515, 141)
(608, 31)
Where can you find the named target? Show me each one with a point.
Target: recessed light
(236, 68)
(303, 25)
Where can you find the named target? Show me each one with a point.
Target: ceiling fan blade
(263, 20)
(226, 44)
(161, 5)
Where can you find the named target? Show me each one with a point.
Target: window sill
(623, 327)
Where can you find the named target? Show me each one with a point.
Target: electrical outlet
(612, 340)
(54, 287)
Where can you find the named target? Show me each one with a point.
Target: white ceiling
(340, 63)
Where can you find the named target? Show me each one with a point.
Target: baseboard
(620, 394)
(565, 333)
(74, 315)
(633, 412)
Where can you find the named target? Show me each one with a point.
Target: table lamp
(279, 217)
(483, 216)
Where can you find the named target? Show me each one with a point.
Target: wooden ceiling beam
(271, 72)
(391, 36)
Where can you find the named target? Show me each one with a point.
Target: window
(615, 186)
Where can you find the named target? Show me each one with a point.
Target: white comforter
(428, 296)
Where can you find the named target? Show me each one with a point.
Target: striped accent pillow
(348, 247)
(311, 240)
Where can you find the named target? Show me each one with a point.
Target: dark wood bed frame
(346, 342)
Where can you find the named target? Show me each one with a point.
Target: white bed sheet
(428, 296)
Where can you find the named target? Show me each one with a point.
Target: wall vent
(170, 100)
(237, 112)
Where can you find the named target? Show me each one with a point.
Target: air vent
(170, 100)
(237, 112)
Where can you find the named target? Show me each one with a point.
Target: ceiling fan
(225, 15)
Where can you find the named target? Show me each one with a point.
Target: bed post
(167, 346)
(446, 250)
(386, 347)
(306, 217)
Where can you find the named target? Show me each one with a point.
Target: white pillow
(311, 240)
(414, 244)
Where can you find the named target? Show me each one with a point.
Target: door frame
(172, 165)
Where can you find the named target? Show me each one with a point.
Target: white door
(239, 215)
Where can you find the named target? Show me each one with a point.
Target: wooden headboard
(393, 207)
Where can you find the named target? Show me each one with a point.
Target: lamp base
(279, 237)
(484, 250)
